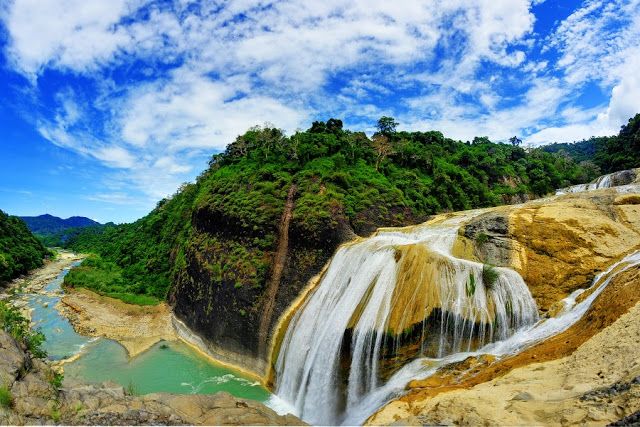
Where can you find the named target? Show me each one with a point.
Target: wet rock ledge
(30, 395)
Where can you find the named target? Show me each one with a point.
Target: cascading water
(376, 290)
(626, 177)
(523, 338)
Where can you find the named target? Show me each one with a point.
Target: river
(169, 366)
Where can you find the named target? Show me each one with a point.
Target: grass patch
(5, 397)
(489, 276)
(471, 285)
(482, 238)
(134, 298)
(132, 389)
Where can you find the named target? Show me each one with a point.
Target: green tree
(387, 125)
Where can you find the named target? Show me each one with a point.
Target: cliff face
(558, 244)
(233, 288)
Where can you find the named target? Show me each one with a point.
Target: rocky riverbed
(136, 328)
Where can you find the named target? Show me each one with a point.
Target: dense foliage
(106, 278)
(16, 325)
(135, 259)
(20, 251)
(608, 153)
(228, 220)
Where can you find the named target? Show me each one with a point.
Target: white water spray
(615, 179)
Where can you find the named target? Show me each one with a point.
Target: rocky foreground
(35, 399)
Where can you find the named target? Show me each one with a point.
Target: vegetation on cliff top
(20, 251)
(344, 180)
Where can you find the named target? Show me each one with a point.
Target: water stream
(167, 367)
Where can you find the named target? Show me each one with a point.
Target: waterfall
(375, 291)
(523, 338)
(621, 178)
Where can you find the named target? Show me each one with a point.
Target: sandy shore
(137, 328)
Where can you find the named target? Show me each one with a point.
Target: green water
(170, 367)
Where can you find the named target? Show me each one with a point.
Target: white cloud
(211, 71)
(73, 34)
(599, 42)
(115, 156)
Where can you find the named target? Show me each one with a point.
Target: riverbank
(136, 328)
(33, 393)
(37, 279)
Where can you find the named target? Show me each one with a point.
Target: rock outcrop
(588, 374)
(558, 245)
(35, 399)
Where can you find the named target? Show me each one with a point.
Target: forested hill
(49, 224)
(54, 231)
(213, 244)
(20, 251)
(608, 153)
(345, 182)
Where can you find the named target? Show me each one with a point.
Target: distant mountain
(48, 224)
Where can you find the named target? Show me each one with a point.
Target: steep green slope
(235, 248)
(138, 258)
(20, 251)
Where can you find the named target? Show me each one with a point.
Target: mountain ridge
(49, 224)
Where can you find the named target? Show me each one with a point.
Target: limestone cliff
(557, 244)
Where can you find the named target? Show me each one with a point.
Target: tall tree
(387, 125)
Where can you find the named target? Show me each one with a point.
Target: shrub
(14, 323)
(55, 379)
(489, 276)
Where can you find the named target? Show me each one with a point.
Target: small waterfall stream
(379, 289)
(615, 179)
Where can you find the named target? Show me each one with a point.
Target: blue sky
(108, 106)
